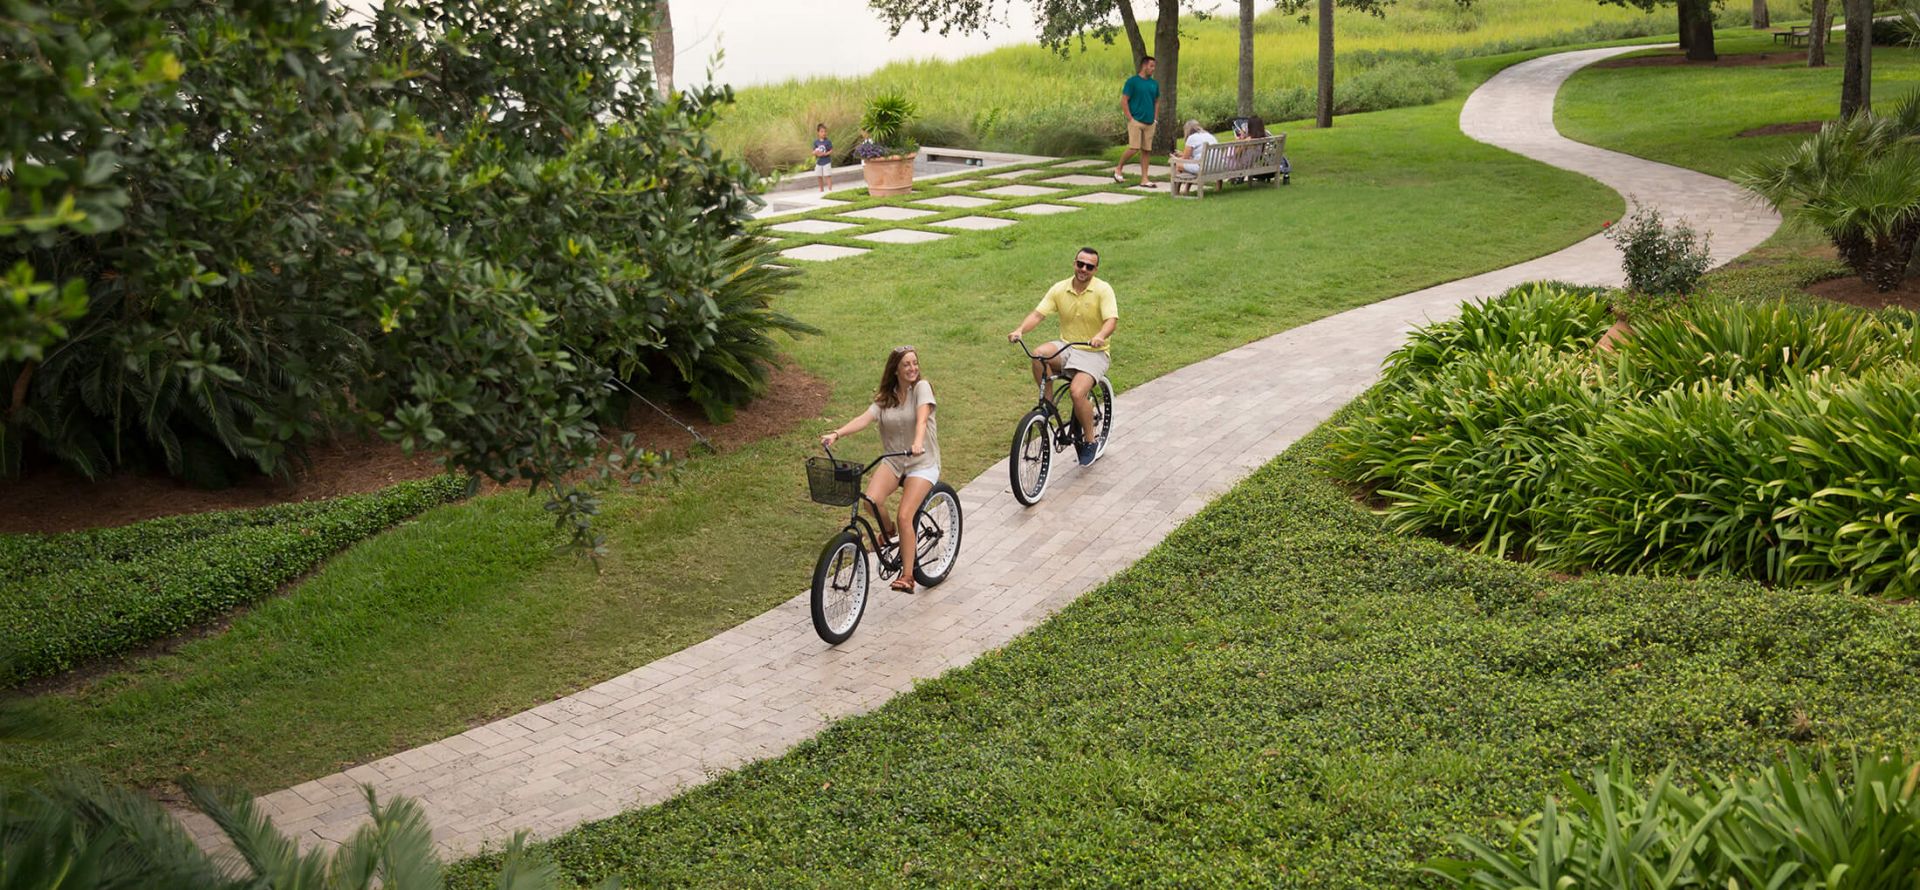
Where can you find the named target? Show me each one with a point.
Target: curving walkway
(763, 686)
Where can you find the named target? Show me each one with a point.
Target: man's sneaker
(1086, 453)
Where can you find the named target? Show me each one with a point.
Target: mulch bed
(1726, 60)
(1785, 129)
(1854, 292)
(57, 500)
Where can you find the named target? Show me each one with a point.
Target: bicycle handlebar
(876, 461)
(1029, 352)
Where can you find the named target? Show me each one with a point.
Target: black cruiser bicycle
(1050, 428)
(841, 577)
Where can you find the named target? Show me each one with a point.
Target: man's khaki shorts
(1139, 135)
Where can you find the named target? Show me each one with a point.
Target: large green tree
(241, 225)
(1323, 14)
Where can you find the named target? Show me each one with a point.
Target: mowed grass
(1283, 693)
(1691, 116)
(468, 614)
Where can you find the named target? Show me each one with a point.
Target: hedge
(72, 597)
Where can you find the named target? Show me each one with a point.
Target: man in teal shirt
(1137, 99)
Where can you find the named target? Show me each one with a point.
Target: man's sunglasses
(1083, 264)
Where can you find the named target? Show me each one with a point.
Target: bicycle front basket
(833, 482)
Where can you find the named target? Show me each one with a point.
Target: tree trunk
(663, 47)
(1132, 27)
(1323, 100)
(1166, 54)
(1700, 48)
(1683, 10)
(1855, 83)
(1762, 17)
(1817, 37)
(1246, 58)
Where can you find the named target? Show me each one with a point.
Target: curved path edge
(758, 689)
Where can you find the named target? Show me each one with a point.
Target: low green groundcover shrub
(70, 597)
(1769, 440)
(1793, 825)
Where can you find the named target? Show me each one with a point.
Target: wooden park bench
(1796, 35)
(1240, 159)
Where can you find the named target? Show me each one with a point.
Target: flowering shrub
(1658, 258)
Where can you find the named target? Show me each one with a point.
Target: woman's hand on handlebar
(827, 440)
(917, 449)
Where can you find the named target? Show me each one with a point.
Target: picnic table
(1795, 35)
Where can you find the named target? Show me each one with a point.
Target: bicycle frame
(1066, 430)
(888, 554)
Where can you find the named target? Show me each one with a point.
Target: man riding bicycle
(1087, 313)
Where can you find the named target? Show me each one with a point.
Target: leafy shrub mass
(1793, 825)
(1769, 440)
(1561, 317)
(71, 597)
(450, 226)
(1660, 259)
(1282, 692)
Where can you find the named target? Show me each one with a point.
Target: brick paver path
(1182, 439)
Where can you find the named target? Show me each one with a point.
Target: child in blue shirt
(822, 154)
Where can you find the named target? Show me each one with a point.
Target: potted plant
(886, 155)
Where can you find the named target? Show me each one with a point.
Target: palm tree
(1859, 181)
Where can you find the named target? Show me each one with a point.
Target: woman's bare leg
(913, 492)
(879, 488)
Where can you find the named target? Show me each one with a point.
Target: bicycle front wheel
(937, 532)
(1031, 459)
(839, 588)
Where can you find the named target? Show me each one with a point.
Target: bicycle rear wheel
(1102, 396)
(1030, 460)
(937, 534)
(839, 588)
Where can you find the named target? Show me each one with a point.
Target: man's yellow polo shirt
(1081, 314)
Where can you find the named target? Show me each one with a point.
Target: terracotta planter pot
(888, 176)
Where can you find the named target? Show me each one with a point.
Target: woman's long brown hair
(888, 395)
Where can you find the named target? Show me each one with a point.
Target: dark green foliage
(1769, 440)
(448, 227)
(1562, 317)
(1283, 693)
(1793, 825)
(74, 833)
(68, 598)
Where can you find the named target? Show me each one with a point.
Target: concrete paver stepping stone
(973, 223)
(900, 236)
(1042, 209)
(821, 252)
(813, 226)
(1012, 174)
(964, 201)
(1080, 179)
(1021, 191)
(1104, 198)
(957, 184)
(890, 214)
(1083, 162)
(767, 684)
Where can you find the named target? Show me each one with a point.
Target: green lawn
(467, 613)
(1282, 693)
(1692, 116)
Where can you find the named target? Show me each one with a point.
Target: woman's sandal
(903, 584)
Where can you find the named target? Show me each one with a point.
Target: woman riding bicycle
(904, 407)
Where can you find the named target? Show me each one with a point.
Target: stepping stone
(956, 184)
(1020, 191)
(1160, 189)
(1043, 209)
(821, 252)
(973, 223)
(1157, 170)
(1105, 198)
(963, 201)
(1083, 162)
(900, 236)
(1011, 174)
(890, 214)
(1080, 179)
(813, 226)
